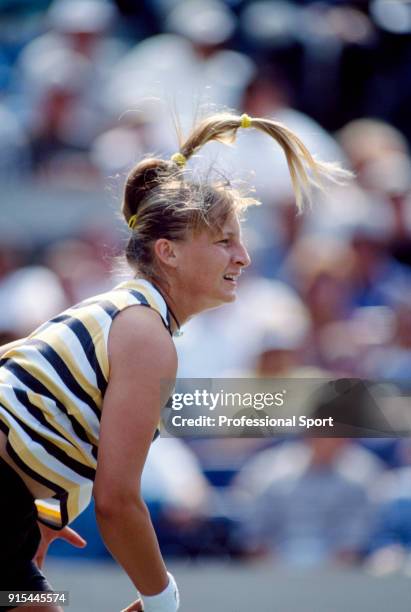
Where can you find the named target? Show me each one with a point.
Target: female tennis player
(80, 397)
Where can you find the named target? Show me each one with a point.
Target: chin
(231, 298)
(220, 301)
(228, 297)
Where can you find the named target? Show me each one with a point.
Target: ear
(166, 252)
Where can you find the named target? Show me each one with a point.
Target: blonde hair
(162, 201)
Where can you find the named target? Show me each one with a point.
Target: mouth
(231, 278)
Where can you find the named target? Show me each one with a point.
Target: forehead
(230, 226)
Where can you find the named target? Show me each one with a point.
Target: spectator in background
(367, 140)
(284, 327)
(379, 155)
(27, 297)
(320, 271)
(308, 501)
(78, 267)
(61, 74)
(393, 358)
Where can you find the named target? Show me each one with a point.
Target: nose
(242, 257)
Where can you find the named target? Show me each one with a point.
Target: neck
(180, 313)
(179, 302)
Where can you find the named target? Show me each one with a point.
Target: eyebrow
(226, 234)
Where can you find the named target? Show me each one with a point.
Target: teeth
(229, 276)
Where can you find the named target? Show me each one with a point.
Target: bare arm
(141, 354)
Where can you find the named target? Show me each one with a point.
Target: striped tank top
(52, 387)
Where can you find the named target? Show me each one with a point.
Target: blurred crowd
(88, 88)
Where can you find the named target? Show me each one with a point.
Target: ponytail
(305, 171)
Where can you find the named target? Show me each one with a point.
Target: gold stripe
(120, 299)
(47, 512)
(145, 291)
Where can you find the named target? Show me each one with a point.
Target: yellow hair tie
(245, 121)
(132, 221)
(179, 159)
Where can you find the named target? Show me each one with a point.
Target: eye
(225, 241)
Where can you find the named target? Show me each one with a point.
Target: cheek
(204, 267)
(194, 265)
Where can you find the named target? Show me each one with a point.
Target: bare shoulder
(137, 335)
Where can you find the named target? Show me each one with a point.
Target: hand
(47, 537)
(136, 606)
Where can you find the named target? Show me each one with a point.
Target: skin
(193, 271)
